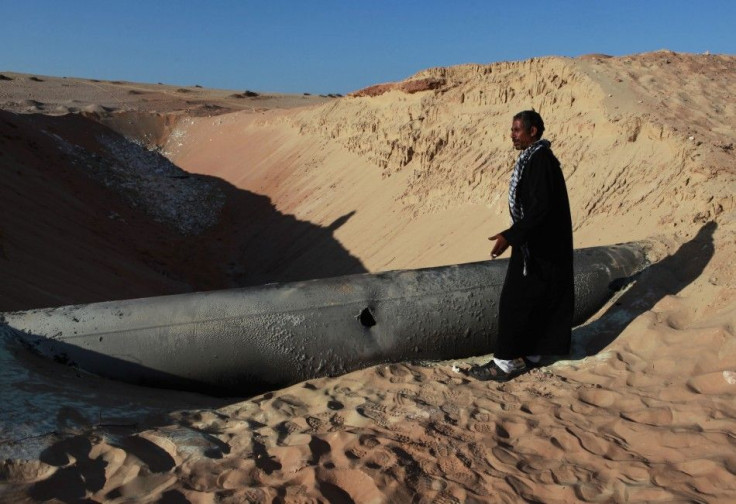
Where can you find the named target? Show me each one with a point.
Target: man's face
(521, 138)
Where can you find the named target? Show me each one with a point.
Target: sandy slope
(92, 215)
(443, 156)
(414, 174)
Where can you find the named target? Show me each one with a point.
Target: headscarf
(516, 209)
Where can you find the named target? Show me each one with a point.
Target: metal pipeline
(263, 337)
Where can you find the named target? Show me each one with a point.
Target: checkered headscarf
(515, 207)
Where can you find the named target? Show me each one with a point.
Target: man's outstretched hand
(500, 246)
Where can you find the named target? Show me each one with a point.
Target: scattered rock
(245, 94)
(410, 87)
(148, 180)
(595, 56)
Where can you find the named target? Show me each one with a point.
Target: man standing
(537, 300)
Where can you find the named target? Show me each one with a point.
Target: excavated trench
(123, 221)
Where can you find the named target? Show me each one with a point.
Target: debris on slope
(188, 203)
(409, 86)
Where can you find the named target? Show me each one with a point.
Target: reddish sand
(402, 175)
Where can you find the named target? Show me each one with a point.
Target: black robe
(536, 310)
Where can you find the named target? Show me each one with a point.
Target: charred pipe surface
(259, 337)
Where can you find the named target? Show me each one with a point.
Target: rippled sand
(402, 175)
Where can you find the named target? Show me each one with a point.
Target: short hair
(531, 118)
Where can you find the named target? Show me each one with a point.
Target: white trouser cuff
(506, 365)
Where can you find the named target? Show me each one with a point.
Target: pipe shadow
(666, 277)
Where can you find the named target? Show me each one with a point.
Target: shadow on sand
(666, 277)
(68, 191)
(255, 244)
(56, 413)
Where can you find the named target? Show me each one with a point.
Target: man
(537, 300)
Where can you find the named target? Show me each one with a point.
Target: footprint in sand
(290, 405)
(236, 478)
(154, 456)
(77, 475)
(512, 428)
(592, 443)
(482, 427)
(453, 411)
(141, 487)
(563, 440)
(89, 475)
(650, 416)
(337, 421)
(284, 430)
(429, 397)
(371, 453)
(319, 448)
(599, 397)
(355, 453)
(404, 397)
(504, 454)
(459, 396)
(446, 498)
(451, 431)
(374, 412)
(716, 383)
(480, 416)
(347, 486)
(398, 373)
(264, 461)
(380, 458)
(318, 423)
(335, 405)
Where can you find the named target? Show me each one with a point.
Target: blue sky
(331, 46)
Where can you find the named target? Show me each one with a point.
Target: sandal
(532, 365)
(491, 372)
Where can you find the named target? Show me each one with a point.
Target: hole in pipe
(366, 318)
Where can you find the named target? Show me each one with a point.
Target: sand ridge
(443, 153)
(50, 95)
(416, 176)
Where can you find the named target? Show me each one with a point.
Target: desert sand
(115, 190)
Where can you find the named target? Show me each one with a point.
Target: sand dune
(401, 175)
(443, 157)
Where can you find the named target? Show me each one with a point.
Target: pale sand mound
(645, 412)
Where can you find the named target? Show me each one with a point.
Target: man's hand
(500, 246)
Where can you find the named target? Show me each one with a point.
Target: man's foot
(531, 364)
(491, 372)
